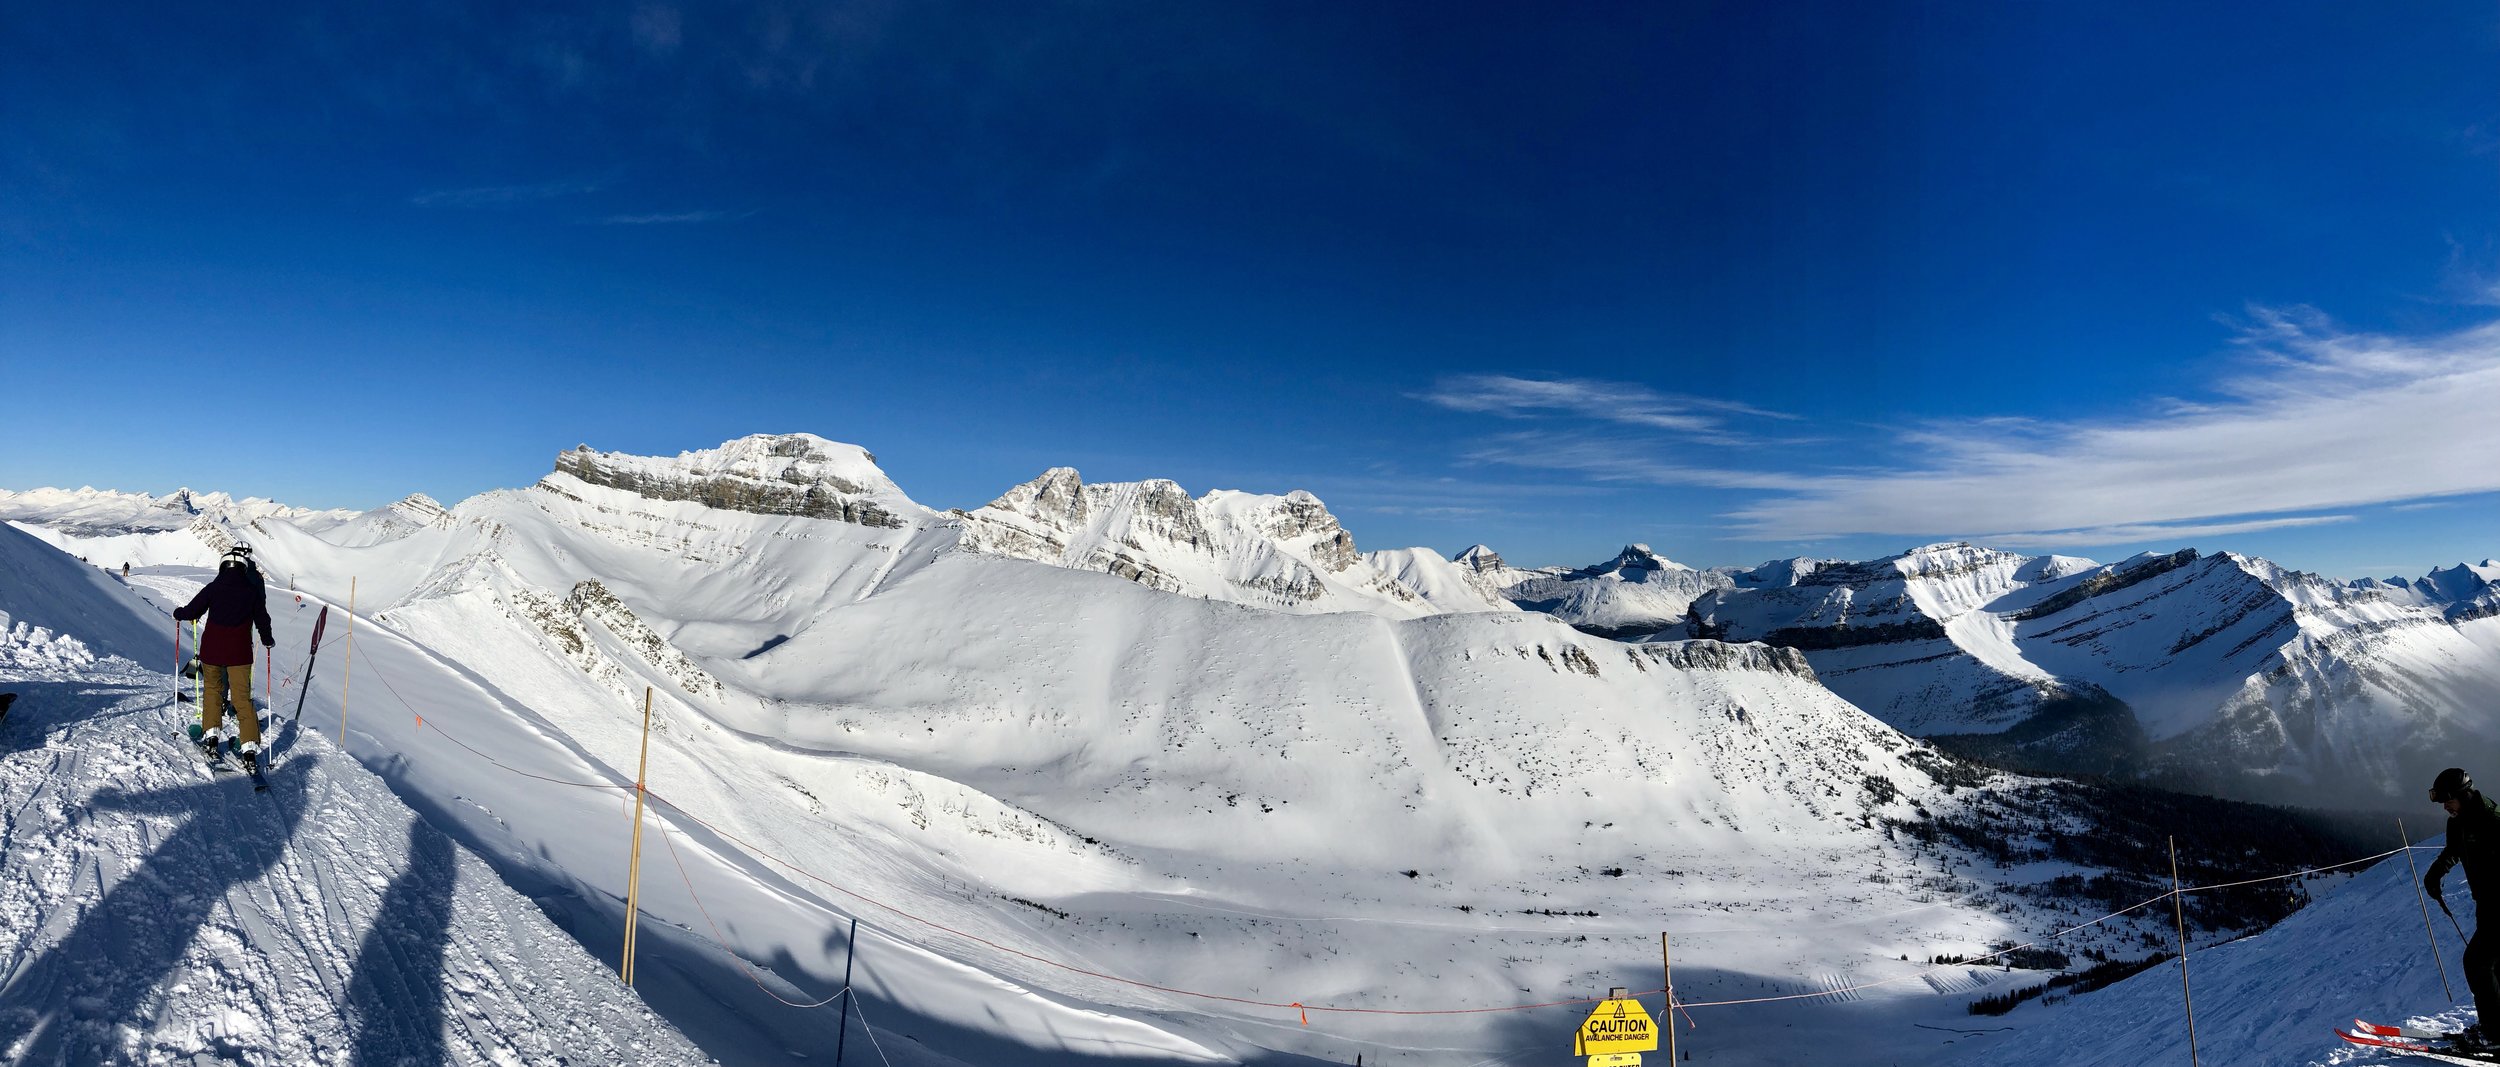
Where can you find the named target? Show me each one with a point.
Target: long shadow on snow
(690, 981)
(74, 996)
(395, 998)
(36, 714)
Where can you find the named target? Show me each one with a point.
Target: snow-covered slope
(1904, 637)
(408, 515)
(57, 611)
(2229, 670)
(1447, 585)
(1284, 553)
(151, 912)
(2262, 1001)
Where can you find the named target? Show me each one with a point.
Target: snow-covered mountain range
(1286, 553)
(1091, 745)
(2220, 672)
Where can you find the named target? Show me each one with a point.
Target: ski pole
(2426, 912)
(2452, 918)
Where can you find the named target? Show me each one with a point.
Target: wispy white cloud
(2324, 420)
(496, 196)
(1702, 419)
(2332, 419)
(1610, 460)
(2144, 532)
(673, 218)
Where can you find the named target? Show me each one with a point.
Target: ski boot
(250, 757)
(207, 743)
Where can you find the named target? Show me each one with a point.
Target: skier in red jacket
(235, 602)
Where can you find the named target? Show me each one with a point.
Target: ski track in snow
(154, 912)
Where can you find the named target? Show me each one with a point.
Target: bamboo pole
(633, 876)
(2178, 909)
(350, 656)
(2416, 868)
(1666, 1015)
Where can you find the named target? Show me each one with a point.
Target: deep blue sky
(1737, 280)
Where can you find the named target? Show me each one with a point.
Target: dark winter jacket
(2473, 840)
(235, 601)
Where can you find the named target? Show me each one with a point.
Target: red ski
(2365, 1026)
(2408, 1047)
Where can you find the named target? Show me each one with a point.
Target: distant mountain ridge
(2219, 669)
(2223, 671)
(1284, 553)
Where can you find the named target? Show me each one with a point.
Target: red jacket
(235, 601)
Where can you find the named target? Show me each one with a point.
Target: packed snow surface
(2270, 1000)
(152, 911)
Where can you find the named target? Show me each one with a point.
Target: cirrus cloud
(2324, 420)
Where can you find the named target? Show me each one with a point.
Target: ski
(214, 757)
(2405, 1047)
(320, 622)
(2365, 1026)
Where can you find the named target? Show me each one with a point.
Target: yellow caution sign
(1619, 1025)
(1615, 1059)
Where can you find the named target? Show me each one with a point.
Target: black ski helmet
(2452, 784)
(239, 560)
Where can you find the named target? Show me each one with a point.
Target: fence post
(633, 876)
(1666, 1014)
(850, 955)
(2426, 911)
(349, 677)
(2178, 909)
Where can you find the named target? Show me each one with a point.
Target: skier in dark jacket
(2473, 840)
(235, 602)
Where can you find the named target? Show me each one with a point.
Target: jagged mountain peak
(1285, 551)
(2459, 582)
(1479, 557)
(1640, 556)
(770, 474)
(420, 507)
(1297, 517)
